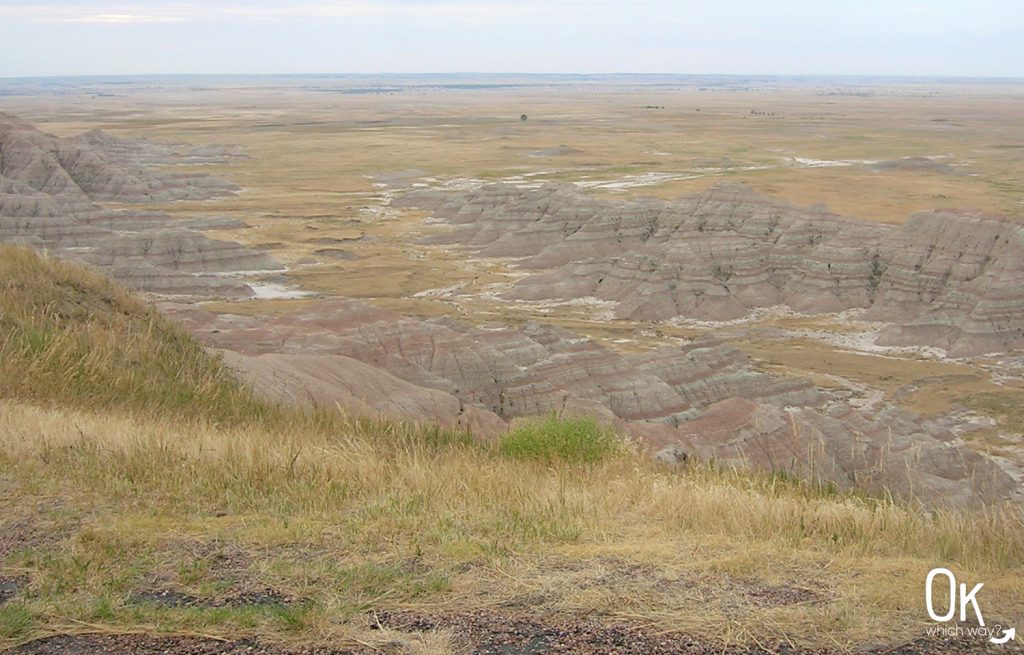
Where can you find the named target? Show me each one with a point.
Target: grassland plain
(313, 151)
(145, 491)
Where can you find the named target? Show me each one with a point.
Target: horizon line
(893, 76)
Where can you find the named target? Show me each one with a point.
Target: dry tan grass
(69, 334)
(377, 518)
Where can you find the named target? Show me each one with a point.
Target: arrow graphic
(1008, 635)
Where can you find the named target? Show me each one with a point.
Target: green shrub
(550, 438)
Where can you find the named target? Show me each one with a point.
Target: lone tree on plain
(523, 118)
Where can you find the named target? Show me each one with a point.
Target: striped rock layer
(50, 194)
(949, 279)
(701, 400)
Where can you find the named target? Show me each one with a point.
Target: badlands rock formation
(91, 168)
(944, 278)
(948, 279)
(146, 152)
(884, 451)
(701, 400)
(50, 190)
(915, 164)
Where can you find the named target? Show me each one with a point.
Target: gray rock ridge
(698, 401)
(511, 372)
(916, 164)
(81, 170)
(944, 278)
(886, 452)
(51, 195)
(148, 153)
(357, 388)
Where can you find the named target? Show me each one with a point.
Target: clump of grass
(552, 438)
(15, 620)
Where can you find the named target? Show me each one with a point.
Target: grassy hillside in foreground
(72, 336)
(143, 489)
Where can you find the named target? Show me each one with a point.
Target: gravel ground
(485, 633)
(149, 645)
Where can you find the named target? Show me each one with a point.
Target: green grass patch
(15, 620)
(552, 438)
(1006, 409)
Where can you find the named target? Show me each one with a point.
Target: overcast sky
(914, 37)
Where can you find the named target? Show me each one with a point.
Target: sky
(977, 38)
